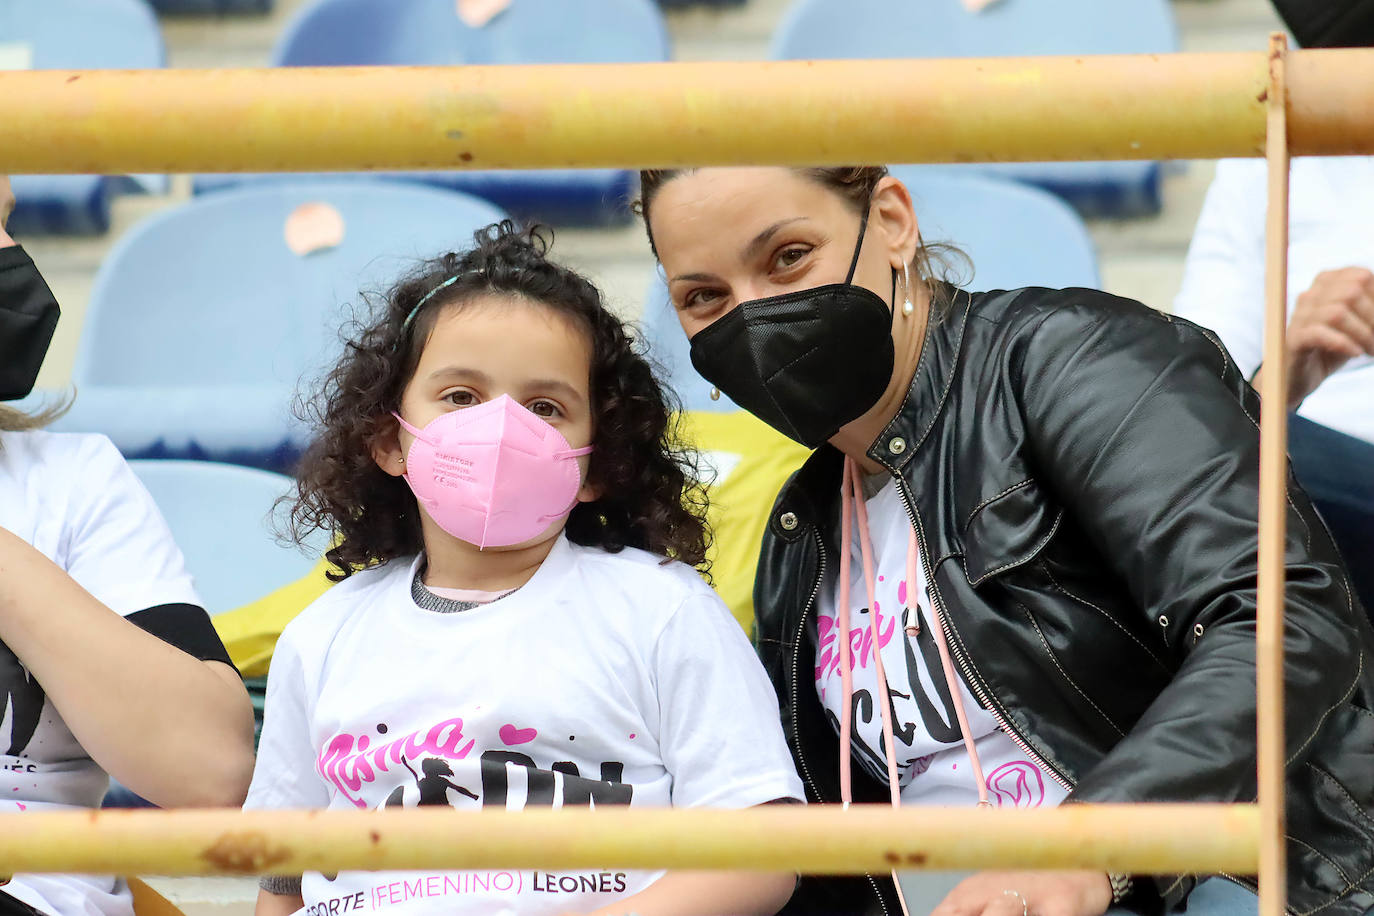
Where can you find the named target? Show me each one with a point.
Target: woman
(108, 665)
(1047, 498)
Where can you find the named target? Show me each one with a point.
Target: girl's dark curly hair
(647, 477)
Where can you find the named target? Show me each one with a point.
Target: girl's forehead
(508, 335)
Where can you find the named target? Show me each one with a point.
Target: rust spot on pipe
(892, 858)
(375, 837)
(1263, 96)
(245, 853)
(73, 78)
(465, 156)
(916, 858)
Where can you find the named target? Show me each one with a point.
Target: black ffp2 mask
(28, 317)
(806, 362)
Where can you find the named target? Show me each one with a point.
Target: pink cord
(846, 663)
(875, 627)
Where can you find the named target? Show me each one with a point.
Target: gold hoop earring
(908, 306)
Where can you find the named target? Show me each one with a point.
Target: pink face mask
(494, 474)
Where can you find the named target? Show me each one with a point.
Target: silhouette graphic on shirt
(433, 786)
(23, 703)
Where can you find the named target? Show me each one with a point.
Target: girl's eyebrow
(460, 372)
(552, 384)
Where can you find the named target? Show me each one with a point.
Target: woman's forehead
(716, 210)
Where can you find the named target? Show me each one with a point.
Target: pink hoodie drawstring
(852, 505)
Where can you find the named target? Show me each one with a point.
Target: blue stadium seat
(429, 32)
(202, 321)
(210, 7)
(224, 519)
(820, 29)
(73, 34)
(1033, 240)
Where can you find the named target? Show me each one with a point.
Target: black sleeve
(185, 626)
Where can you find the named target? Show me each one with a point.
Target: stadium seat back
(873, 29)
(210, 295)
(222, 518)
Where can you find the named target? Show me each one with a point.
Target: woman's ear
(387, 451)
(896, 219)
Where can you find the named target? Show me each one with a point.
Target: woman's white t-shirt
(932, 764)
(73, 497)
(607, 679)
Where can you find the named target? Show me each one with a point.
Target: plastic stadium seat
(223, 518)
(210, 7)
(817, 29)
(202, 321)
(429, 32)
(81, 35)
(1015, 235)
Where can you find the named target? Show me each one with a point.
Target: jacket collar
(809, 497)
(930, 386)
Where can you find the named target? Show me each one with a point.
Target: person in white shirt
(1330, 338)
(109, 666)
(518, 622)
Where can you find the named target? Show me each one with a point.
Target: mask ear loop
(417, 433)
(858, 247)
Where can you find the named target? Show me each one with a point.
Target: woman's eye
(789, 257)
(545, 409)
(461, 398)
(698, 298)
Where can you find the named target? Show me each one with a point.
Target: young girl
(496, 464)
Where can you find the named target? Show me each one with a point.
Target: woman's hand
(1037, 893)
(1332, 322)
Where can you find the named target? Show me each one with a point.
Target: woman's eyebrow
(750, 250)
(763, 237)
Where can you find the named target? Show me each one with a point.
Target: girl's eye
(461, 398)
(545, 409)
(789, 257)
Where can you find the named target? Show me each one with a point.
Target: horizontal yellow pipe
(678, 114)
(1156, 839)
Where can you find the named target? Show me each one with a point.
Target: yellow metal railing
(793, 113)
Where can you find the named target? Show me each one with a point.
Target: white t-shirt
(932, 763)
(74, 498)
(1330, 226)
(605, 679)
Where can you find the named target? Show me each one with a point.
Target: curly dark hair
(647, 477)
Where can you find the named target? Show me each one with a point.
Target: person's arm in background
(173, 728)
(1223, 289)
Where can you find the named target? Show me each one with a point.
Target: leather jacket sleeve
(1148, 434)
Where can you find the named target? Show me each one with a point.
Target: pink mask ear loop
(417, 433)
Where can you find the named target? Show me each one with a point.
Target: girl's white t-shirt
(73, 497)
(607, 679)
(932, 764)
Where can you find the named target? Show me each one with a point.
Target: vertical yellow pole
(1272, 498)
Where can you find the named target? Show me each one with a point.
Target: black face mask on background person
(28, 317)
(806, 362)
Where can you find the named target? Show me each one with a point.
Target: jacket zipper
(796, 681)
(984, 697)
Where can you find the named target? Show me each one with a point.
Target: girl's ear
(387, 451)
(896, 217)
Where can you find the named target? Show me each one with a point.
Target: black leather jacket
(1083, 475)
